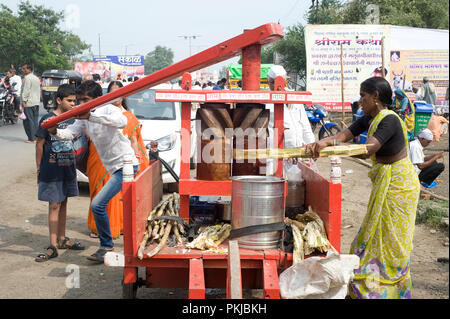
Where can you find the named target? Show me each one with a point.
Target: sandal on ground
(76, 245)
(99, 256)
(93, 235)
(44, 256)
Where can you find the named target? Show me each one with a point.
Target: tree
(292, 51)
(33, 36)
(158, 59)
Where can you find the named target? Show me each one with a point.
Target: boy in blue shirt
(57, 178)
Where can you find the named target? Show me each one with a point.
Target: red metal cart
(194, 269)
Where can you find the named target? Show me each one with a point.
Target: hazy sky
(137, 26)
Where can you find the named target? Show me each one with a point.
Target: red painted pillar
(185, 146)
(279, 125)
(251, 67)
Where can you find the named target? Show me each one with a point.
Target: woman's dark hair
(119, 84)
(380, 85)
(90, 88)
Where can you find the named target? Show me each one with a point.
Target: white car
(161, 122)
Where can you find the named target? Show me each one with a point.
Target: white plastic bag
(22, 116)
(319, 277)
(294, 174)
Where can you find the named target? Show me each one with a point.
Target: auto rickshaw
(52, 79)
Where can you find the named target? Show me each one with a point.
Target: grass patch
(431, 213)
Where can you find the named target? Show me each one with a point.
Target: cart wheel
(129, 290)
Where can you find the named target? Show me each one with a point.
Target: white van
(161, 122)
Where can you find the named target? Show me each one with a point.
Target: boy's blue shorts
(57, 192)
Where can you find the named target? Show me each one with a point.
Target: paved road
(15, 153)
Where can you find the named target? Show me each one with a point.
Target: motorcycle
(6, 108)
(316, 115)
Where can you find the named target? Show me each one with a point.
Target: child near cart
(57, 179)
(104, 127)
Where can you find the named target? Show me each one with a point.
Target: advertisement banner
(101, 68)
(410, 66)
(121, 66)
(362, 49)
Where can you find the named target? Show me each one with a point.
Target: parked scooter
(6, 108)
(316, 115)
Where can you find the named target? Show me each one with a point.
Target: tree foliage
(33, 36)
(158, 59)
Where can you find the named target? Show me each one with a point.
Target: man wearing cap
(426, 166)
(298, 130)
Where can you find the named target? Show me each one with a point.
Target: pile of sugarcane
(158, 230)
(211, 237)
(309, 235)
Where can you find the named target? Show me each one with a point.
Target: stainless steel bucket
(257, 200)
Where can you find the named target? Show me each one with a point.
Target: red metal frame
(236, 46)
(195, 269)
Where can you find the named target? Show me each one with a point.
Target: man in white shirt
(426, 166)
(104, 126)
(31, 98)
(16, 83)
(298, 130)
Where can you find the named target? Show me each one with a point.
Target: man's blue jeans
(98, 207)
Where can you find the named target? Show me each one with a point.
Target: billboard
(122, 66)
(408, 67)
(361, 60)
(409, 55)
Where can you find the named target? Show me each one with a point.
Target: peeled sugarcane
(261, 154)
(299, 252)
(211, 237)
(309, 235)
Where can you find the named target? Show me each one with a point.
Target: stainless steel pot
(257, 200)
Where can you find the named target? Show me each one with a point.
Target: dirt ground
(24, 234)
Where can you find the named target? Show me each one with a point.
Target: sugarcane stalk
(155, 230)
(140, 253)
(261, 154)
(175, 228)
(162, 242)
(161, 231)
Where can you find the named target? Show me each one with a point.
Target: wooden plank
(234, 281)
(196, 279)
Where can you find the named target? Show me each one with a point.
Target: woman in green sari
(384, 241)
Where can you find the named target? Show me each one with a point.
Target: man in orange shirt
(435, 125)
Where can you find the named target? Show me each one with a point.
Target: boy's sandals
(75, 245)
(45, 256)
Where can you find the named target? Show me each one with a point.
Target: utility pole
(126, 48)
(99, 50)
(190, 37)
